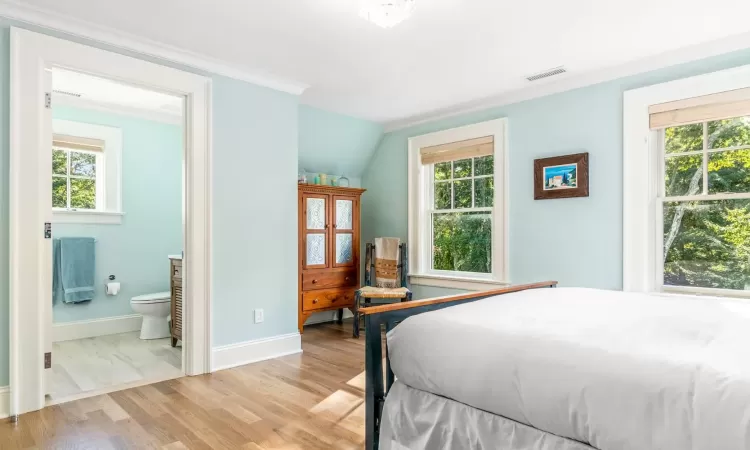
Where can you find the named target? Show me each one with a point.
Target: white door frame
(32, 56)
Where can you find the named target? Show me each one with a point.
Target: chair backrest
(403, 266)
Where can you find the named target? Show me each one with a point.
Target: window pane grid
(704, 206)
(85, 185)
(463, 187)
(461, 226)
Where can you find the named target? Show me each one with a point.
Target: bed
(525, 367)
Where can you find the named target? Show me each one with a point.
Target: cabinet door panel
(345, 237)
(315, 237)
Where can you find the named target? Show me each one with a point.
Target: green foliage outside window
(462, 236)
(707, 243)
(73, 179)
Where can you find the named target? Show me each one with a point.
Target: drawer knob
(346, 279)
(334, 299)
(315, 300)
(315, 282)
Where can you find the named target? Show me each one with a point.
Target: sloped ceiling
(335, 144)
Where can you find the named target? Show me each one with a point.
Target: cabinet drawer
(325, 280)
(331, 298)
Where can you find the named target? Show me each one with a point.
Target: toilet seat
(158, 297)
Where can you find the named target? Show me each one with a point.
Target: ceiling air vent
(72, 94)
(547, 73)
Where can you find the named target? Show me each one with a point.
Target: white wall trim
(641, 241)
(82, 329)
(418, 197)
(122, 110)
(470, 284)
(32, 55)
(573, 80)
(99, 217)
(95, 32)
(4, 402)
(233, 355)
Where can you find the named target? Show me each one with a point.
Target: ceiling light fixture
(386, 13)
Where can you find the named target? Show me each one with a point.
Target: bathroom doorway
(78, 182)
(117, 235)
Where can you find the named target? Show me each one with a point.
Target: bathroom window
(75, 164)
(85, 175)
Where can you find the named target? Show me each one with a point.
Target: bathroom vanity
(175, 288)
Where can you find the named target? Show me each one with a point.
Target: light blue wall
(254, 204)
(254, 211)
(576, 241)
(336, 144)
(136, 250)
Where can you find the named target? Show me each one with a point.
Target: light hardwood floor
(313, 400)
(104, 362)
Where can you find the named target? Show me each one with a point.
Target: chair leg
(355, 313)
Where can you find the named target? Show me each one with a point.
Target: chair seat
(376, 292)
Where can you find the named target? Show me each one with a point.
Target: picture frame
(561, 177)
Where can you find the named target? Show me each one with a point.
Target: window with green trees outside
(73, 179)
(463, 193)
(706, 204)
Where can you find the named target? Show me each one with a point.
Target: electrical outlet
(258, 315)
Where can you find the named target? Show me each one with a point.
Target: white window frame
(643, 180)
(108, 176)
(421, 207)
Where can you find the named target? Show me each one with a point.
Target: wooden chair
(368, 292)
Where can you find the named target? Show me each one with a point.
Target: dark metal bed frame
(390, 316)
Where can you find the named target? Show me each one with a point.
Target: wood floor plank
(307, 401)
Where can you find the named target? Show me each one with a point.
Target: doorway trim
(32, 56)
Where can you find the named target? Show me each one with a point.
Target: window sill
(719, 294)
(470, 284)
(99, 217)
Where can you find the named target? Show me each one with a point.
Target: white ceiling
(78, 88)
(450, 52)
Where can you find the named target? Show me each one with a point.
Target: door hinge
(48, 360)
(48, 100)
(47, 230)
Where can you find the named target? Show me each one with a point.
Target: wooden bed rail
(390, 315)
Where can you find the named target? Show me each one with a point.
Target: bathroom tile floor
(105, 362)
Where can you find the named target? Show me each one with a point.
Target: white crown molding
(112, 108)
(572, 80)
(70, 25)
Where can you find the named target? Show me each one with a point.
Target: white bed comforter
(613, 370)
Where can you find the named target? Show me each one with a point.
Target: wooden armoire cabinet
(329, 233)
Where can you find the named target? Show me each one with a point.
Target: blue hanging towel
(73, 269)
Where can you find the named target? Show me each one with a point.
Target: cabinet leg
(340, 316)
(174, 342)
(301, 318)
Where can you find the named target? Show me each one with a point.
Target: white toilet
(154, 308)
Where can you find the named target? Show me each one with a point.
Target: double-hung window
(687, 186)
(86, 179)
(457, 220)
(77, 168)
(705, 204)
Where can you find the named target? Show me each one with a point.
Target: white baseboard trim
(4, 402)
(82, 329)
(233, 355)
(326, 316)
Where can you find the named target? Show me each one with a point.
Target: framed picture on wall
(561, 177)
